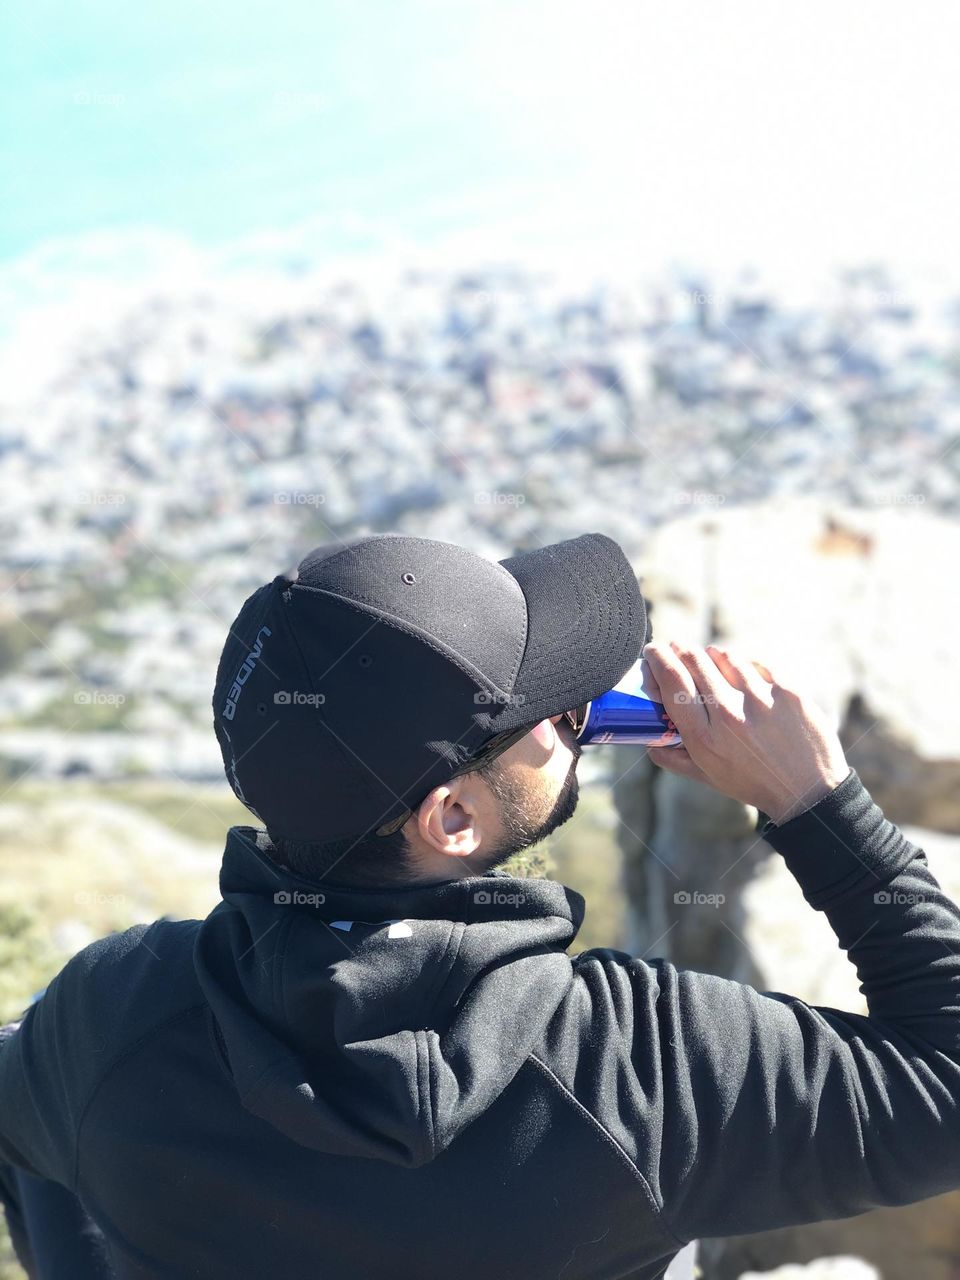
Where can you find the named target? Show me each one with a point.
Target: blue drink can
(628, 714)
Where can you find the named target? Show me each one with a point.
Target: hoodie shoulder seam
(601, 1131)
(450, 954)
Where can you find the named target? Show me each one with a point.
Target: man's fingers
(678, 690)
(712, 686)
(743, 673)
(676, 760)
(650, 682)
(777, 674)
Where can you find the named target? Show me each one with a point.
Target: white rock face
(822, 1269)
(855, 607)
(859, 605)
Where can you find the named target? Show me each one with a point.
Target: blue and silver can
(627, 714)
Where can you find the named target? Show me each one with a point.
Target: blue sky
(215, 119)
(786, 134)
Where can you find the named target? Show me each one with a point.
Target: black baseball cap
(377, 669)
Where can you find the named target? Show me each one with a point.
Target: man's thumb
(675, 760)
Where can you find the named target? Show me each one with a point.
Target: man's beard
(519, 832)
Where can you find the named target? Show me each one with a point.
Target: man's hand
(745, 733)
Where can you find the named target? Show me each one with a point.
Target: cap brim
(586, 625)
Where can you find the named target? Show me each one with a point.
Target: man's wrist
(840, 845)
(811, 797)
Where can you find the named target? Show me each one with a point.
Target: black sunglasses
(578, 718)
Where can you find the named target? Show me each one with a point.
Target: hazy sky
(789, 135)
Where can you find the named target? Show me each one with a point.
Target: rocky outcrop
(681, 905)
(822, 1269)
(859, 607)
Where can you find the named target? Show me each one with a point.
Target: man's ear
(449, 820)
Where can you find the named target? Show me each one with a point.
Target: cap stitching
(408, 628)
(560, 647)
(496, 564)
(616, 600)
(348, 549)
(606, 620)
(522, 642)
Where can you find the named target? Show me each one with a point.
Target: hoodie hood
(379, 1022)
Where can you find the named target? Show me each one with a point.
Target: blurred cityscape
(191, 448)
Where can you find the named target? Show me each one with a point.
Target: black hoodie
(415, 1083)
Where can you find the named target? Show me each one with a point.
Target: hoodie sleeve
(744, 1111)
(106, 999)
(37, 1122)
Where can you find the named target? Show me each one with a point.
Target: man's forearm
(889, 913)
